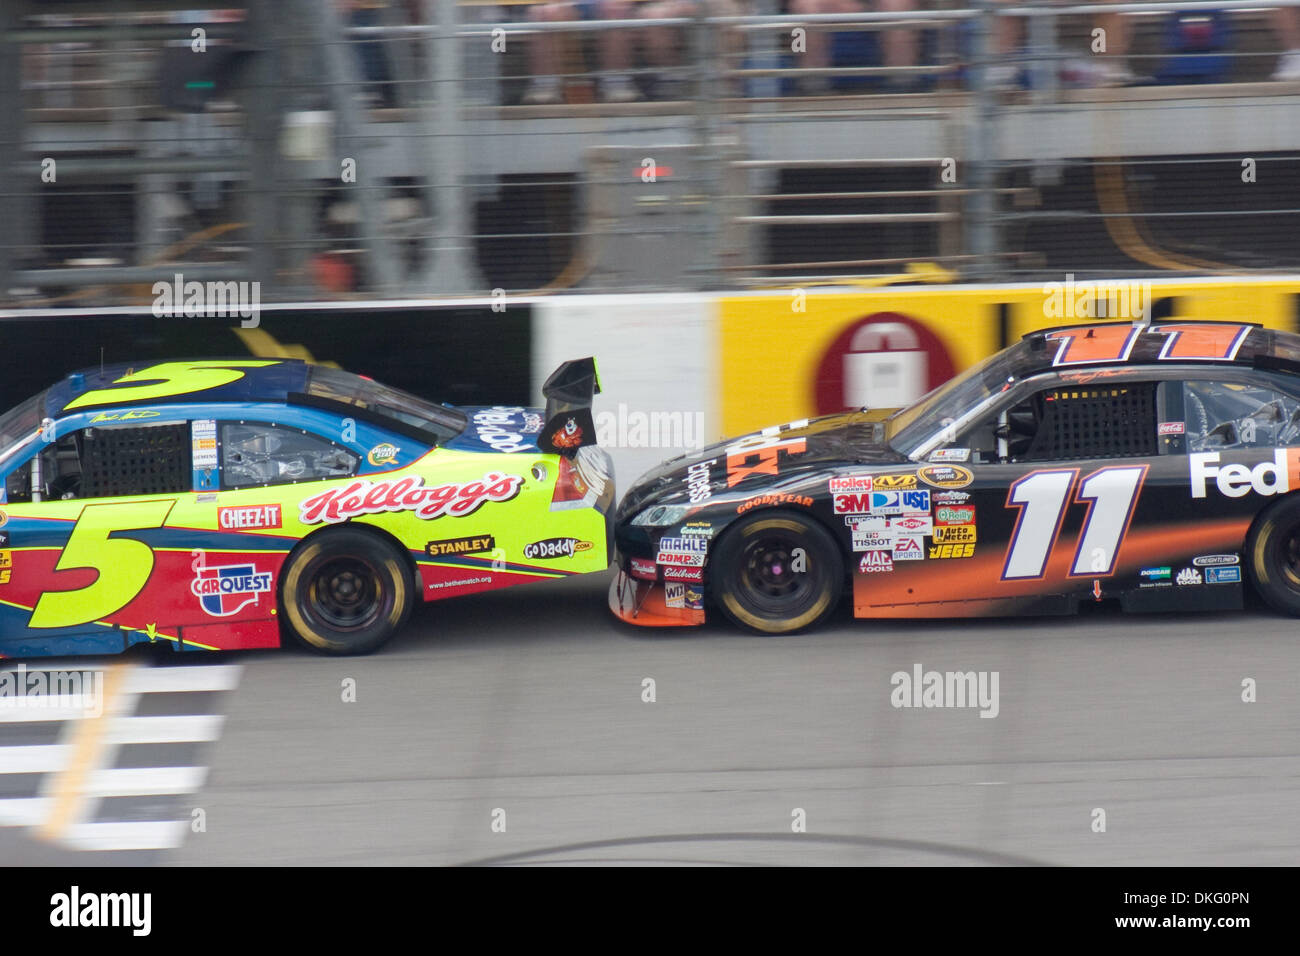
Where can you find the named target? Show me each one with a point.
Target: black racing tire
(752, 574)
(345, 591)
(1273, 550)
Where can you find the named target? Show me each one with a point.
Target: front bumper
(645, 603)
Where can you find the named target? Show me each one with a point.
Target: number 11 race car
(1151, 465)
(213, 505)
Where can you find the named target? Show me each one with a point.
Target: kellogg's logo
(363, 497)
(223, 591)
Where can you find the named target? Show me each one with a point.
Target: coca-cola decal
(363, 497)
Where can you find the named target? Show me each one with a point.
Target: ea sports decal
(223, 591)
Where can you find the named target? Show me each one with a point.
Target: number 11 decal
(1042, 496)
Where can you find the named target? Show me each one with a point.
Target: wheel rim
(767, 577)
(347, 593)
(1289, 557)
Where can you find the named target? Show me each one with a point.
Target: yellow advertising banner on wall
(795, 354)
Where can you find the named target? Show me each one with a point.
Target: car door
(1036, 504)
(87, 535)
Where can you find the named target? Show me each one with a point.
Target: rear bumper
(646, 603)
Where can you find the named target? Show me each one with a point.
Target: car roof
(1160, 342)
(247, 379)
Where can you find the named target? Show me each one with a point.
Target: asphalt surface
(525, 706)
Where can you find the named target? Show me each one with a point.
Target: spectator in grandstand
(899, 46)
(668, 47)
(547, 51)
(1287, 22)
(376, 74)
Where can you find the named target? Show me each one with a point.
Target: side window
(109, 462)
(1070, 422)
(1219, 415)
(261, 453)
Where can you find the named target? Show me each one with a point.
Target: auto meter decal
(555, 548)
(946, 476)
(363, 497)
(223, 591)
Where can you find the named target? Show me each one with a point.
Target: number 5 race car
(215, 505)
(1153, 465)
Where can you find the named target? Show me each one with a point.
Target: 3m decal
(223, 591)
(167, 379)
(852, 504)
(124, 564)
(1042, 496)
(363, 497)
(249, 517)
(477, 544)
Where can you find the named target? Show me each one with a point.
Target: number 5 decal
(124, 564)
(1111, 495)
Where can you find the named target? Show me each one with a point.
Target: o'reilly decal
(555, 548)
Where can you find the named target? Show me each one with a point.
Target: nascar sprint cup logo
(228, 590)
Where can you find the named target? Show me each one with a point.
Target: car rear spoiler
(568, 393)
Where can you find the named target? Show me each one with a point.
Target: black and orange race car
(1153, 465)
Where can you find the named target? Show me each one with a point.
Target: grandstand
(358, 149)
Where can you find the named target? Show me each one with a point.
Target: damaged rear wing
(568, 393)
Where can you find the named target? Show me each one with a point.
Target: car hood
(501, 428)
(844, 439)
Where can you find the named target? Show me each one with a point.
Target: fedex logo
(1235, 480)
